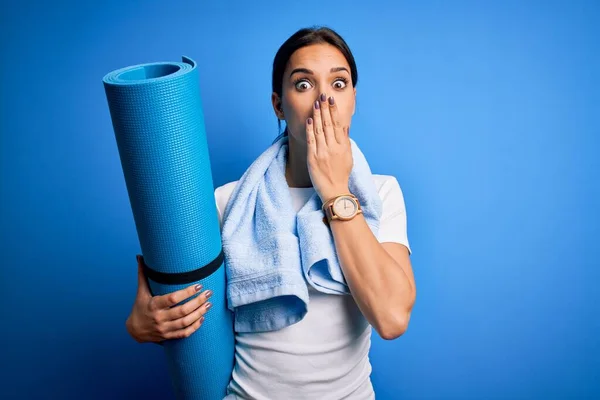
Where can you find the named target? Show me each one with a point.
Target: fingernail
(202, 319)
(198, 287)
(331, 101)
(208, 305)
(208, 293)
(317, 104)
(323, 97)
(310, 121)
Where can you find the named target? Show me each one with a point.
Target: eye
(340, 83)
(302, 84)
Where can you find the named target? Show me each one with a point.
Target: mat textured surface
(156, 112)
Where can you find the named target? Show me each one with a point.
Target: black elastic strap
(182, 278)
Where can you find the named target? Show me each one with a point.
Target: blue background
(487, 113)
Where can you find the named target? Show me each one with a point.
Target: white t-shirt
(326, 354)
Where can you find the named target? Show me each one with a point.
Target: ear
(354, 108)
(277, 105)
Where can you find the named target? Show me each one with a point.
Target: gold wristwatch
(343, 207)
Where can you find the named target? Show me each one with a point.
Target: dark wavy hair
(306, 37)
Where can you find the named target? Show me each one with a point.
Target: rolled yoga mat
(157, 117)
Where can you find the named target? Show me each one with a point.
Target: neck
(296, 169)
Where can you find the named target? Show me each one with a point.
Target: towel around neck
(272, 253)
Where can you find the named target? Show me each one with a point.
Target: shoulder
(391, 196)
(226, 189)
(387, 186)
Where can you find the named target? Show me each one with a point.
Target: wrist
(334, 192)
(341, 207)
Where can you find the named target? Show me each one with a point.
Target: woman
(325, 355)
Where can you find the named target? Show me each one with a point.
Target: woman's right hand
(154, 318)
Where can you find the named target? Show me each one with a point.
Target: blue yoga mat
(157, 117)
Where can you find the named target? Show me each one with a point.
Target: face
(312, 70)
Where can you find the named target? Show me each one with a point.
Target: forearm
(380, 287)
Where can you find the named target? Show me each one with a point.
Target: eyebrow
(308, 71)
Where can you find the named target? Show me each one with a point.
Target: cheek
(301, 107)
(345, 111)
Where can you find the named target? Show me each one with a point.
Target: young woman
(325, 355)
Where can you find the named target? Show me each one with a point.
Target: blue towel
(272, 252)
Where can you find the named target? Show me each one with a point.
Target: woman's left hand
(329, 151)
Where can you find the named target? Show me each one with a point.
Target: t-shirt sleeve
(392, 227)
(219, 206)
(222, 195)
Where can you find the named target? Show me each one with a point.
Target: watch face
(345, 207)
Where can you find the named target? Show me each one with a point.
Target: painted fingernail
(202, 319)
(208, 293)
(310, 121)
(198, 287)
(317, 105)
(323, 97)
(208, 305)
(331, 101)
